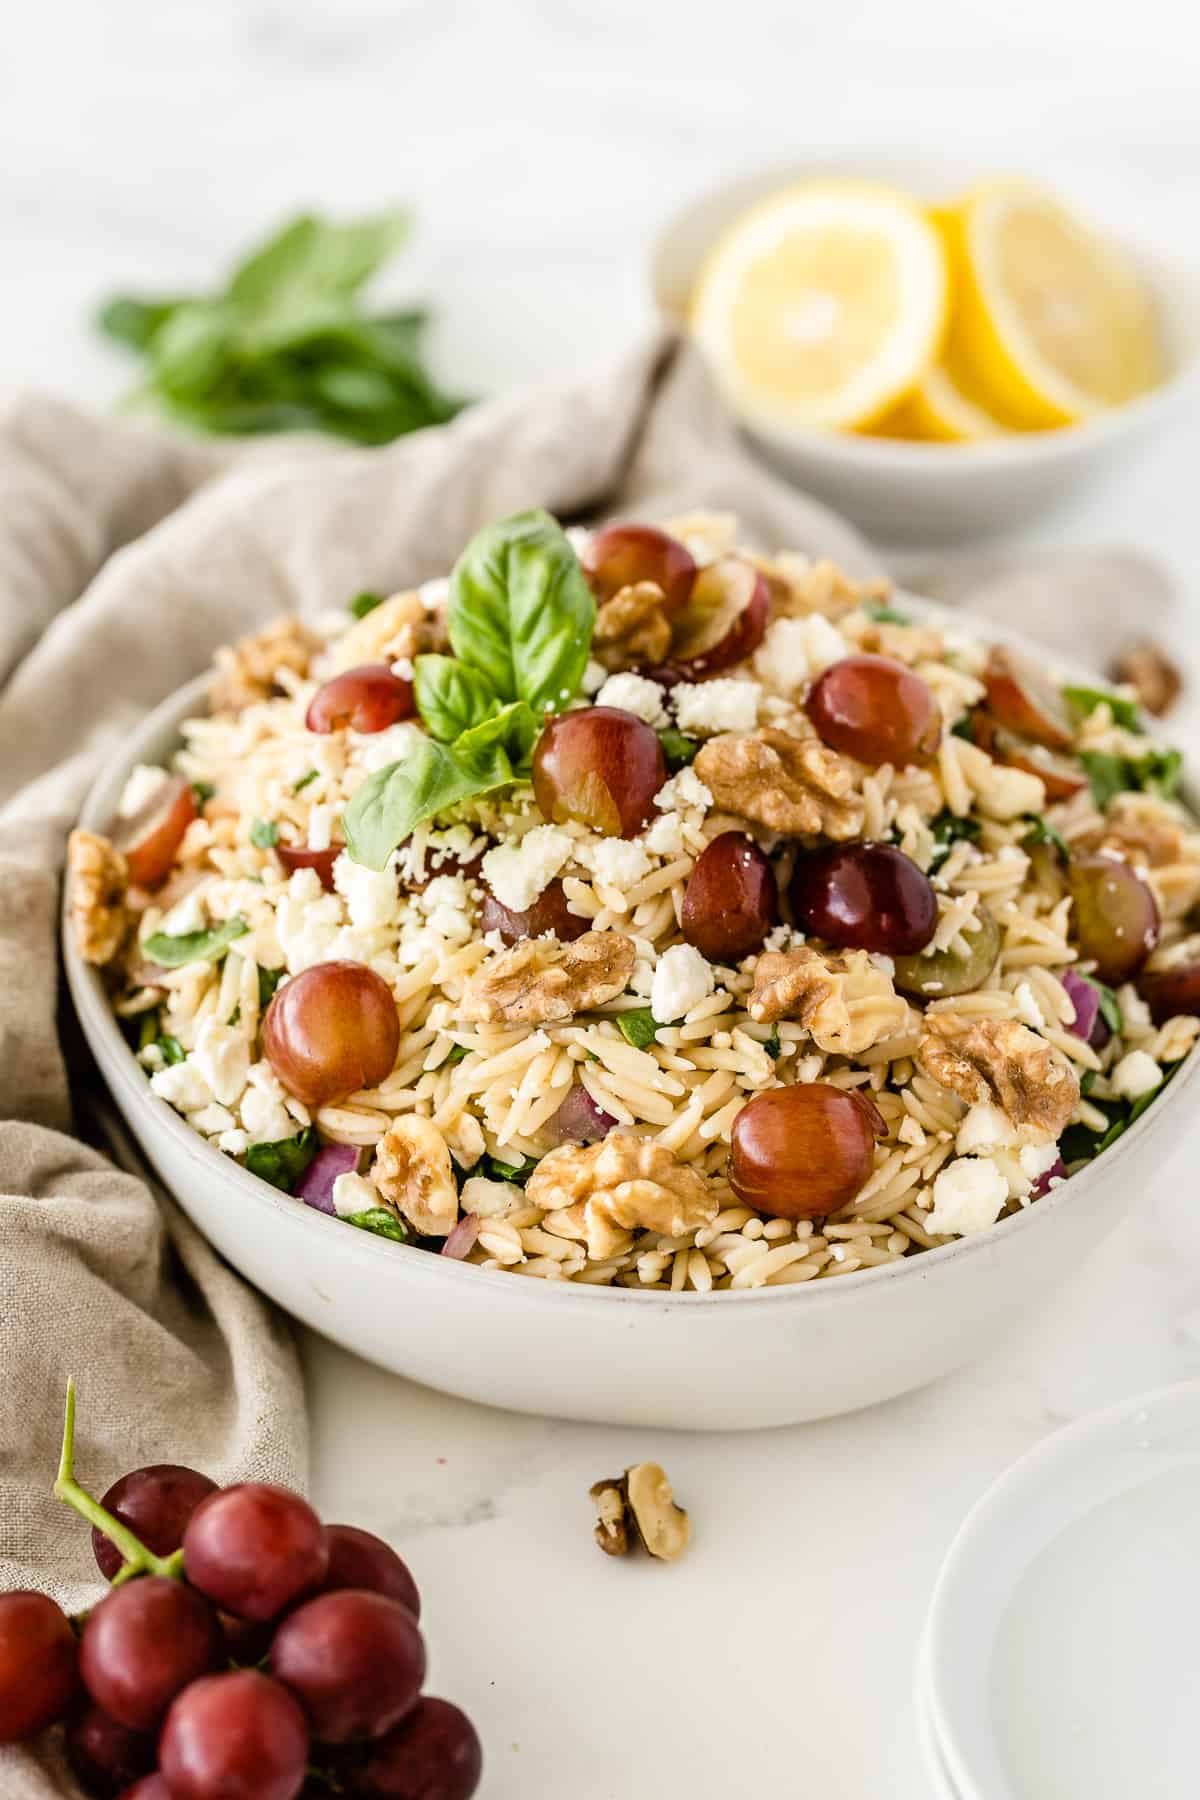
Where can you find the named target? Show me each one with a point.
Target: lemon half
(823, 305)
(938, 410)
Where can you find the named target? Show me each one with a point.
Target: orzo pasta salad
(635, 908)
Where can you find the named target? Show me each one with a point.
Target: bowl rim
(118, 1065)
(1168, 277)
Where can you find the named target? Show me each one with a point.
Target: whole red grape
(143, 1643)
(368, 699)
(155, 1503)
(617, 556)
(39, 1675)
(601, 766)
(359, 1559)
(355, 1660)
(104, 1754)
(434, 1754)
(254, 1548)
(875, 710)
(238, 1736)
(803, 1152)
(731, 900)
(864, 897)
(330, 1030)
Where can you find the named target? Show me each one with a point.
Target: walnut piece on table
(639, 1507)
(542, 981)
(791, 784)
(844, 1001)
(622, 1184)
(632, 628)
(1148, 669)
(1002, 1062)
(97, 883)
(399, 627)
(244, 673)
(413, 1172)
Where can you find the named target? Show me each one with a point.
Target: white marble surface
(542, 141)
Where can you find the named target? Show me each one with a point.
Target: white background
(541, 143)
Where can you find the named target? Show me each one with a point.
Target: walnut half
(622, 1184)
(790, 784)
(413, 1172)
(97, 882)
(1002, 1062)
(845, 1002)
(245, 672)
(542, 981)
(639, 1506)
(632, 627)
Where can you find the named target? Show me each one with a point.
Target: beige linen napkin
(126, 557)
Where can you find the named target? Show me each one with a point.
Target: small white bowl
(719, 1361)
(903, 491)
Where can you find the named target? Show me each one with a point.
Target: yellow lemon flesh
(939, 411)
(1052, 323)
(823, 306)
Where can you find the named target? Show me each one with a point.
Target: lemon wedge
(823, 305)
(1052, 323)
(939, 410)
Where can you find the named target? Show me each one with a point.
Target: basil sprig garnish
(520, 621)
(193, 946)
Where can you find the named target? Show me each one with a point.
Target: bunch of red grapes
(245, 1651)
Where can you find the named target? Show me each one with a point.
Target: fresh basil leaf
(964, 728)
(299, 786)
(264, 834)
(1042, 832)
(885, 615)
(1107, 775)
(1159, 773)
(514, 729)
(774, 1044)
(268, 981)
(518, 1173)
(521, 612)
(451, 696)
(391, 803)
(313, 262)
(383, 1223)
(678, 749)
(947, 827)
(193, 946)
(134, 322)
(203, 791)
(283, 1162)
(1085, 700)
(638, 1027)
(362, 604)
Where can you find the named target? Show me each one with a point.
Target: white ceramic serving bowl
(903, 492)
(721, 1361)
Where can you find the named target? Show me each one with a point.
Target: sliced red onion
(1056, 1172)
(579, 1120)
(460, 1240)
(315, 1186)
(1089, 1023)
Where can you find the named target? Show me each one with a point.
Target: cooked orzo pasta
(636, 908)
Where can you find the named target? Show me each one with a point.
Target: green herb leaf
(638, 1027)
(299, 786)
(1085, 700)
(1042, 832)
(134, 322)
(457, 1053)
(495, 1170)
(678, 749)
(147, 1027)
(193, 946)
(204, 790)
(1107, 775)
(264, 834)
(391, 803)
(947, 827)
(268, 981)
(1110, 1006)
(774, 1044)
(361, 605)
(171, 1048)
(1087, 1082)
(1157, 772)
(521, 612)
(283, 1162)
(383, 1223)
(964, 728)
(514, 729)
(885, 615)
(451, 696)
(312, 262)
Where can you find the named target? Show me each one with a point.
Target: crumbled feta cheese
(182, 1086)
(372, 896)
(968, 1196)
(264, 1119)
(634, 694)
(188, 914)
(212, 1120)
(795, 651)
(1027, 1006)
(377, 749)
(721, 705)
(618, 863)
(594, 677)
(883, 963)
(518, 873)
(403, 667)
(681, 980)
(307, 922)
(683, 790)
(579, 537)
(490, 1199)
(664, 836)
(783, 937)
(641, 982)
(141, 785)
(984, 1128)
(235, 1143)
(445, 907)
(222, 1056)
(321, 821)
(1134, 1011)
(1037, 1160)
(354, 1194)
(1135, 1075)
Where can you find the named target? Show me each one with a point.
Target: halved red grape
(331, 1030)
(433, 1754)
(803, 1152)
(39, 1676)
(601, 766)
(579, 1120)
(1114, 915)
(1173, 989)
(355, 1660)
(944, 972)
(238, 1736)
(150, 839)
(156, 1503)
(299, 856)
(864, 896)
(254, 1548)
(1026, 701)
(620, 555)
(1062, 776)
(724, 621)
(104, 1754)
(143, 1644)
(368, 698)
(875, 710)
(150, 1787)
(549, 912)
(731, 900)
(359, 1559)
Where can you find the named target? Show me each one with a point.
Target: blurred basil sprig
(285, 345)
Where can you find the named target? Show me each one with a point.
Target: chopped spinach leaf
(283, 1162)
(1042, 832)
(383, 1223)
(964, 728)
(202, 791)
(1157, 772)
(147, 1027)
(457, 1052)
(947, 827)
(299, 786)
(193, 946)
(1086, 699)
(171, 1048)
(774, 1044)
(638, 1027)
(885, 615)
(365, 603)
(495, 1170)
(268, 981)
(264, 834)
(678, 749)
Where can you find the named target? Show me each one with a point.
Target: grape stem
(138, 1559)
